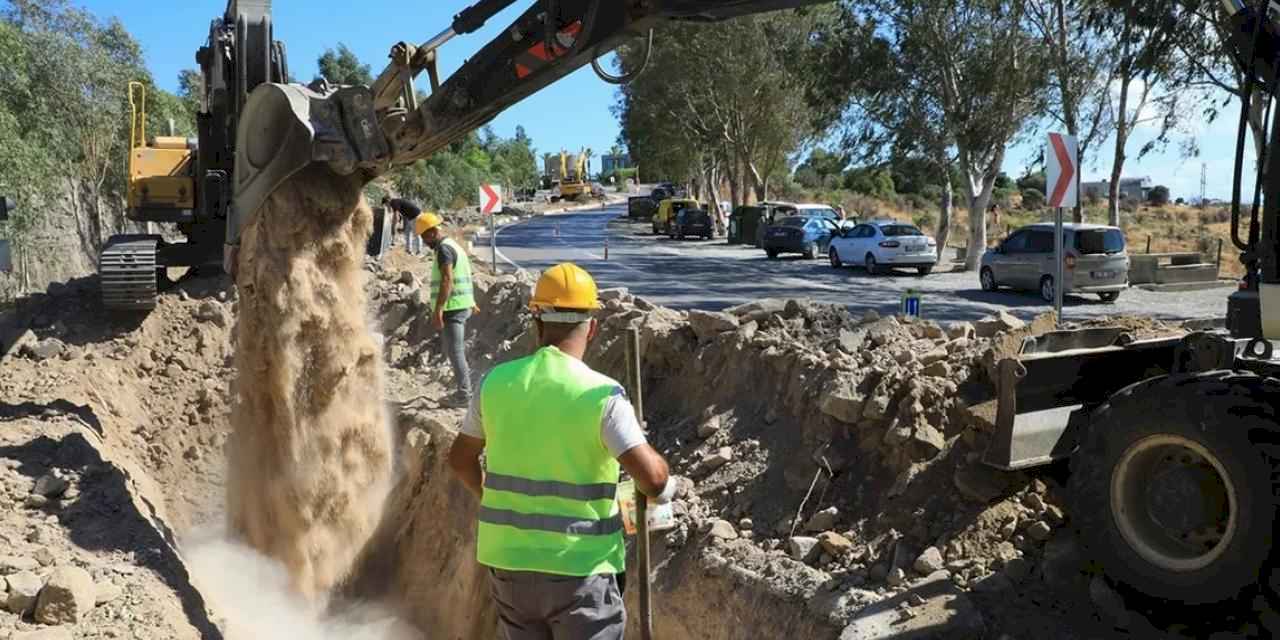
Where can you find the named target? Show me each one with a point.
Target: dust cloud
(310, 455)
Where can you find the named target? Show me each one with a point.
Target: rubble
(23, 587)
(823, 520)
(66, 597)
(709, 324)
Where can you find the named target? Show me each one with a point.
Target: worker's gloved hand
(668, 492)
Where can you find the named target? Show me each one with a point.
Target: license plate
(915, 248)
(1103, 275)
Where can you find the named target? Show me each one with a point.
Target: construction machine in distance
(574, 184)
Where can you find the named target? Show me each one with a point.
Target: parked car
(1094, 255)
(884, 244)
(805, 235)
(692, 222)
(641, 207)
(667, 210)
(819, 210)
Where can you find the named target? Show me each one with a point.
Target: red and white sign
(490, 199)
(1061, 171)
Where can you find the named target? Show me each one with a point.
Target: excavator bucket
(285, 127)
(1045, 393)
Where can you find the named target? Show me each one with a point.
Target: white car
(884, 244)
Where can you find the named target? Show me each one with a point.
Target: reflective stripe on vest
(462, 296)
(550, 484)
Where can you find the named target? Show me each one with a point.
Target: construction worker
(554, 433)
(453, 301)
(408, 213)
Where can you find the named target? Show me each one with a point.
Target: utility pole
(1204, 182)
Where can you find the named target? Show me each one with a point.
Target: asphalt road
(713, 275)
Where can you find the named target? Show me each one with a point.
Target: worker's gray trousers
(541, 606)
(453, 340)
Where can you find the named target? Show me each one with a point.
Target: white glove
(669, 491)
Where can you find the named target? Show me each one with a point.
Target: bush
(1159, 195)
(1032, 198)
(924, 219)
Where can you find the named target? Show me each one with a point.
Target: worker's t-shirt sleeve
(446, 256)
(619, 429)
(473, 423)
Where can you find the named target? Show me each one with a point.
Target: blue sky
(569, 114)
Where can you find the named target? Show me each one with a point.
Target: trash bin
(748, 219)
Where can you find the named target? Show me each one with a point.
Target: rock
(842, 400)
(991, 325)
(851, 341)
(958, 330)
(105, 592)
(932, 331)
(758, 310)
(1034, 502)
(748, 330)
(824, 520)
(904, 356)
(44, 556)
(939, 369)
(933, 355)
(1109, 602)
(876, 408)
(44, 349)
(745, 524)
(709, 428)
(211, 311)
(957, 345)
(931, 440)
(50, 486)
(52, 633)
(929, 561)
(994, 583)
(801, 547)
(883, 330)
(613, 293)
(406, 277)
(1006, 552)
(718, 459)
(709, 324)
(979, 483)
(723, 530)
(36, 501)
(24, 587)
(896, 577)
(1055, 516)
(1040, 530)
(935, 608)
(14, 564)
(66, 597)
(835, 544)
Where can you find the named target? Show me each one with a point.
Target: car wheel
(924, 271)
(1046, 288)
(988, 279)
(679, 234)
(835, 258)
(772, 253)
(810, 251)
(870, 263)
(1109, 296)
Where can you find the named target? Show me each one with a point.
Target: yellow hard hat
(565, 293)
(426, 222)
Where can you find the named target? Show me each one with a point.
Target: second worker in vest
(554, 434)
(452, 301)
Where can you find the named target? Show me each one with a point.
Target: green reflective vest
(550, 484)
(462, 296)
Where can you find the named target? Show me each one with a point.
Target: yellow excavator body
(160, 170)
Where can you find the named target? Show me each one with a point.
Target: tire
(834, 256)
(810, 251)
(772, 253)
(870, 263)
(1109, 296)
(987, 278)
(923, 271)
(1217, 433)
(1046, 289)
(679, 234)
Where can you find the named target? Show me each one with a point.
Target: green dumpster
(747, 221)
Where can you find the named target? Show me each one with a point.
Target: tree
(1159, 195)
(343, 67)
(1032, 198)
(1036, 181)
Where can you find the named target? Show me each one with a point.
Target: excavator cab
(161, 185)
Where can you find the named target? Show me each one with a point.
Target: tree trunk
(1122, 136)
(757, 183)
(944, 215)
(1257, 104)
(978, 187)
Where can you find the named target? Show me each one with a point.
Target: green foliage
(343, 67)
(1034, 181)
(1032, 198)
(1159, 195)
(451, 178)
(871, 181)
(925, 219)
(1003, 181)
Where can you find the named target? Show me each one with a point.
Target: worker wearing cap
(408, 213)
(452, 298)
(555, 433)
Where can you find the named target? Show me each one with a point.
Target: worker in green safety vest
(554, 434)
(453, 301)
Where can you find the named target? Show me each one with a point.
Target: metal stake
(642, 512)
(493, 243)
(1058, 280)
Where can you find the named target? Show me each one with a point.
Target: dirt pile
(311, 452)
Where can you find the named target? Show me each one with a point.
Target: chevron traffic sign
(490, 198)
(1061, 171)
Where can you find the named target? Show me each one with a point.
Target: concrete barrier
(1170, 268)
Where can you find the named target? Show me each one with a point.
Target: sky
(574, 112)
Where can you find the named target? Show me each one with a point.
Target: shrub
(1032, 198)
(1159, 195)
(924, 219)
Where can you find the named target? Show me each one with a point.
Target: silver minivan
(1096, 261)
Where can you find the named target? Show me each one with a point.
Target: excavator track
(128, 273)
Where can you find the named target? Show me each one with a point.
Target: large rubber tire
(987, 278)
(1046, 289)
(1217, 431)
(870, 263)
(810, 251)
(834, 256)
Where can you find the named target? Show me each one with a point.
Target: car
(667, 210)
(641, 207)
(1095, 256)
(882, 244)
(819, 210)
(805, 235)
(692, 222)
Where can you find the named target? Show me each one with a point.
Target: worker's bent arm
(464, 459)
(446, 286)
(647, 468)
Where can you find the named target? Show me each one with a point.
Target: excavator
(256, 129)
(573, 182)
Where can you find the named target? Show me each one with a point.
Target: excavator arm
(369, 130)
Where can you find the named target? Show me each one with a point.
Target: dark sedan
(807, 235)
(692, 222)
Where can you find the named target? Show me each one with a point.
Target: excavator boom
(285, 127)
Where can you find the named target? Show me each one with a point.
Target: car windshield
(793, 221)
(895, 230)
(1094, 241)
